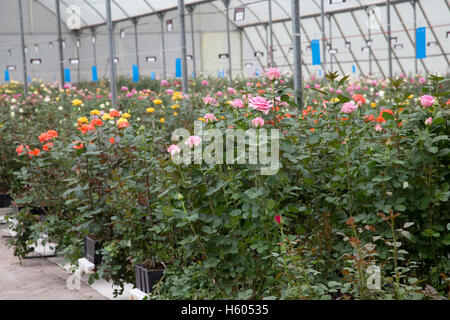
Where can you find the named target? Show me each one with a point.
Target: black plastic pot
(146, 279)
(90, 248)
(5, 200)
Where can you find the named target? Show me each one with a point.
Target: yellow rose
(157, 101)
(121, 120)
(373, 104)
(175, 114)
(106, 116)
(175, 106)
(82, 120)
(95, 112)
(76, 102)
(162, 120)
(126, 115)
(150, 110)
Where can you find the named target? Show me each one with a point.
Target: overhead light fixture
(94, 39)
(432, 44)
(290, 49)
(393, 39)
(63, 43)
(116, 59)
(259, 54)
(150, 59)
(169, 25)
(333, 51)
(336, 1)
(35, 61)
(328, 46)
(74, 60)
(239, 14)
(365, 49)
(25, 49)
(50, 45)
(36, 48)
(223, 55)
(78, 43)
(189, 57)
(348, 44)
(369, 42)
(398, 46)
(122, 33)
(11, 67)
(249, 65)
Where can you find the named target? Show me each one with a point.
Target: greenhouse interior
(225, 150)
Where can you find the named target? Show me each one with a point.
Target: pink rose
(273, 74)
(260, 104)
(205, 83)
(427, 101)
(422, 80)
(193, 141)
(428, 121)
(378, 128)
(210, 117)
(349, 107)
(258, 122)
(164, 83)
(124, 89)
(208, 100)
(173, 149)
(237, 103)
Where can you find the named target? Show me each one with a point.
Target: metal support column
(60, 40)
(298, 87)
(136, 45)
(389, 37)
(271, 63)
(191, 9)
(331, 41)
(183, 46)
(414, 3)
(369, 31)
(227, 6)
(24, 58)
(163, 43)
(94, 45)
(322, 17)
(111, 54)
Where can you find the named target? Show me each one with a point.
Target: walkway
(36, 279)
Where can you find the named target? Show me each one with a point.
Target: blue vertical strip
(315, 48)
(29, 79)
(257, 72)
(152, 76)
(67, 75)
(135, 73)
(320, 72)
(353, 68)
(6, 75)
(94, 74)
(178, 72)
(421, 45)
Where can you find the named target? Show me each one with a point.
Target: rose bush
(363, 181)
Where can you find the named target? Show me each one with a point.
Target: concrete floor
(36, 279)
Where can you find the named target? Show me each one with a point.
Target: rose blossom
(428, 121)
(273, 74)
(210, 117)
(260, 104)
(427, 101)
(349, 107)
(237, 103)
(258, 122)
(173, 149)
(193, 141)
